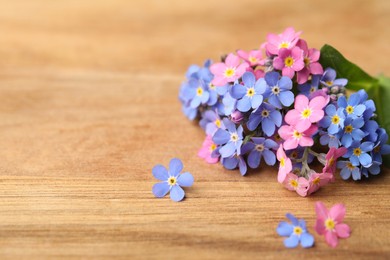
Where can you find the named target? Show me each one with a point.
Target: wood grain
(88, 105)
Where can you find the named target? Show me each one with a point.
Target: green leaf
(357, 78)
(378, 89)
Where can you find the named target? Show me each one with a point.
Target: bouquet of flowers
(287, 103)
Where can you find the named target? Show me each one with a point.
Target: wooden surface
(88, 105)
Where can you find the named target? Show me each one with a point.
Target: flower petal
(337, 212)
(343, 230)
(321, 210)
(331, 238)
(292, 241)
(221, 137)
(177, 193)
(160, 189)
(160, 172)
(307, 240)
(284, 229)
(185, 180)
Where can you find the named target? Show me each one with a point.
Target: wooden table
(88, 105)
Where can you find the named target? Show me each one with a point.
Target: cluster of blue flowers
(350, 123)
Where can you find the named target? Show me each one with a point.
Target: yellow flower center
(265, 113)
(357, 151)
(199, 91)
(259, 147)
(251, 92)
(234, 137)
(229, 72)
(307, 61)
(316, 181)
(282, 162)
(218, 123)
(349, 109)
(294, 183)
(350, 166)
(297, 135)
(284, 45)
(329, 83)
(172, 180)
(252, 59)
(275, 90)
(212, 86)
(278, 138)
(289, 61)
(312, 89)
(306, 113)
(213, 147)
(298, 231)
(331, 161)
(330, 224)
(335, 119)
(348, 129)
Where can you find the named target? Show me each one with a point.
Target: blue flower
(348, 170)
(232, 162)
(258, 148)
(249, 95)
(381, 147)
(230, 139)
(370, 129)
(211, 122)
(334, 119)
(308, 88)
(330, 140)
(268, 116)
(277, 90)
(358, 153)
(352, 131)
(229, 104)
(196, 93)
(329, 80)
(296, 232)
(215, 93)
(353, 107)
(172, 180)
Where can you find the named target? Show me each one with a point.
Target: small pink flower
(229, 71)
(310, 58)
(329, 223)
(208, 149)
(331, 159)
(317, 180)
(299, 184)
(287, 39)
(289, 61)
(253, 57)
(285, 165)
(305, 112)
(293, 137)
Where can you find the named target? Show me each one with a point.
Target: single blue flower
(351, 131)
(230, 139)
(348, 170)
(310, 87)
(268, 116)
(381, 147)
(330, 140)
(249, 95)
(329, 80)
(334, 119)
(211, 122)
(215, 93)
(277, 90)
(353, 107)
(296, 232)
(374, 169)
(196, 93)
(172, 180)
(233, 162)
(258, 148)
(358, 153)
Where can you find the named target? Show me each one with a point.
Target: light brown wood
(88, 105)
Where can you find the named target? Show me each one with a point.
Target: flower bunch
(277, 103)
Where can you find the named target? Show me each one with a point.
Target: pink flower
(317, 180)
(259, 73)
(299, 184)
(310, 58)
(289, 61)
(229, 71)
(305, 112)
(331, 159)
(329, 223)
(207, 151)
(287, 39)
(285, 165)
(293, 137)
(253, 57)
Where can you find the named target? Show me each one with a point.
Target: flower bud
(237, 117)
